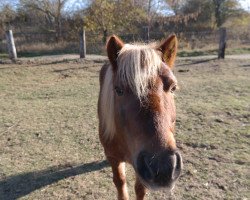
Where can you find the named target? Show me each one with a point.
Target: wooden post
(192, 41)
(222, 43)
(82, 44)
(11, 45)
(146, 33)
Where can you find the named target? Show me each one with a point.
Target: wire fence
(34, 43)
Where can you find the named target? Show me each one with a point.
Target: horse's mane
(138, 67)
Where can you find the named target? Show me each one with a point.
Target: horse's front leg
(140, 189)
(119, 178)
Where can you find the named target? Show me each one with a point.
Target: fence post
(146, 33)
(82, 44)
(11, 45)
(222, 43)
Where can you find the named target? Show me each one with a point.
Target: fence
(32, 44)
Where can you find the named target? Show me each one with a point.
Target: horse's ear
(114, 45)
(169, 50)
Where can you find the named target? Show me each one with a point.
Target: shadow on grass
(195, 53)
(245, 65)
(56, 62)
(68, 69)
(194, 62)
(15, 187)
(73, 60)
(45, 53)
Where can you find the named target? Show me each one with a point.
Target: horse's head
(144, 108)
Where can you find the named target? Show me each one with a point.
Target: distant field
(49, 146)
(61, 49)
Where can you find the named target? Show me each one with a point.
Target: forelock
(138, 67)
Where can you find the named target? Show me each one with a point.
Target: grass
(49, 147)
(3, 55)
(42, 49)
(244, 50)
(182, 53)
(204, 52)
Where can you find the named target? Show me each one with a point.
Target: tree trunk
(105, 35)
(218, 5)
(222, 43)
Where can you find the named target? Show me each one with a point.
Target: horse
(137, 114)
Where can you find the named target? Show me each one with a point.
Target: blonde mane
(138, 67)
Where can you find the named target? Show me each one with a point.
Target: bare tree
(108, 16)
(52, 9)
(7, 15)
(224, 9)
(175, 5)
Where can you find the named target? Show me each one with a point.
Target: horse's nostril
(178, 165)
(143, 166)
(162, 169)
(178, 161)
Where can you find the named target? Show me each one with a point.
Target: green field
(49, 146)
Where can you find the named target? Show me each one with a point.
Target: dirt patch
(49, 145)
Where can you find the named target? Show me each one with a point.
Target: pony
(137, 114)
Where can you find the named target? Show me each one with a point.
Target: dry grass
(188, 47)
(49, 146)
(42, 48)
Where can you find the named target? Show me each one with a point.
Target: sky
(77, 4)
(245, 4)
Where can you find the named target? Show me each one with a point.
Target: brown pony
(137, 114)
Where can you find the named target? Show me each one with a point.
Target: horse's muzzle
(159, 170)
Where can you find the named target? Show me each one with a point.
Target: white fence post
(82, 44)
(11, 45)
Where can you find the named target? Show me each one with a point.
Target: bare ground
(49, 147)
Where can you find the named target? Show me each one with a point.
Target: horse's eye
(173, 88)
(118, 91)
